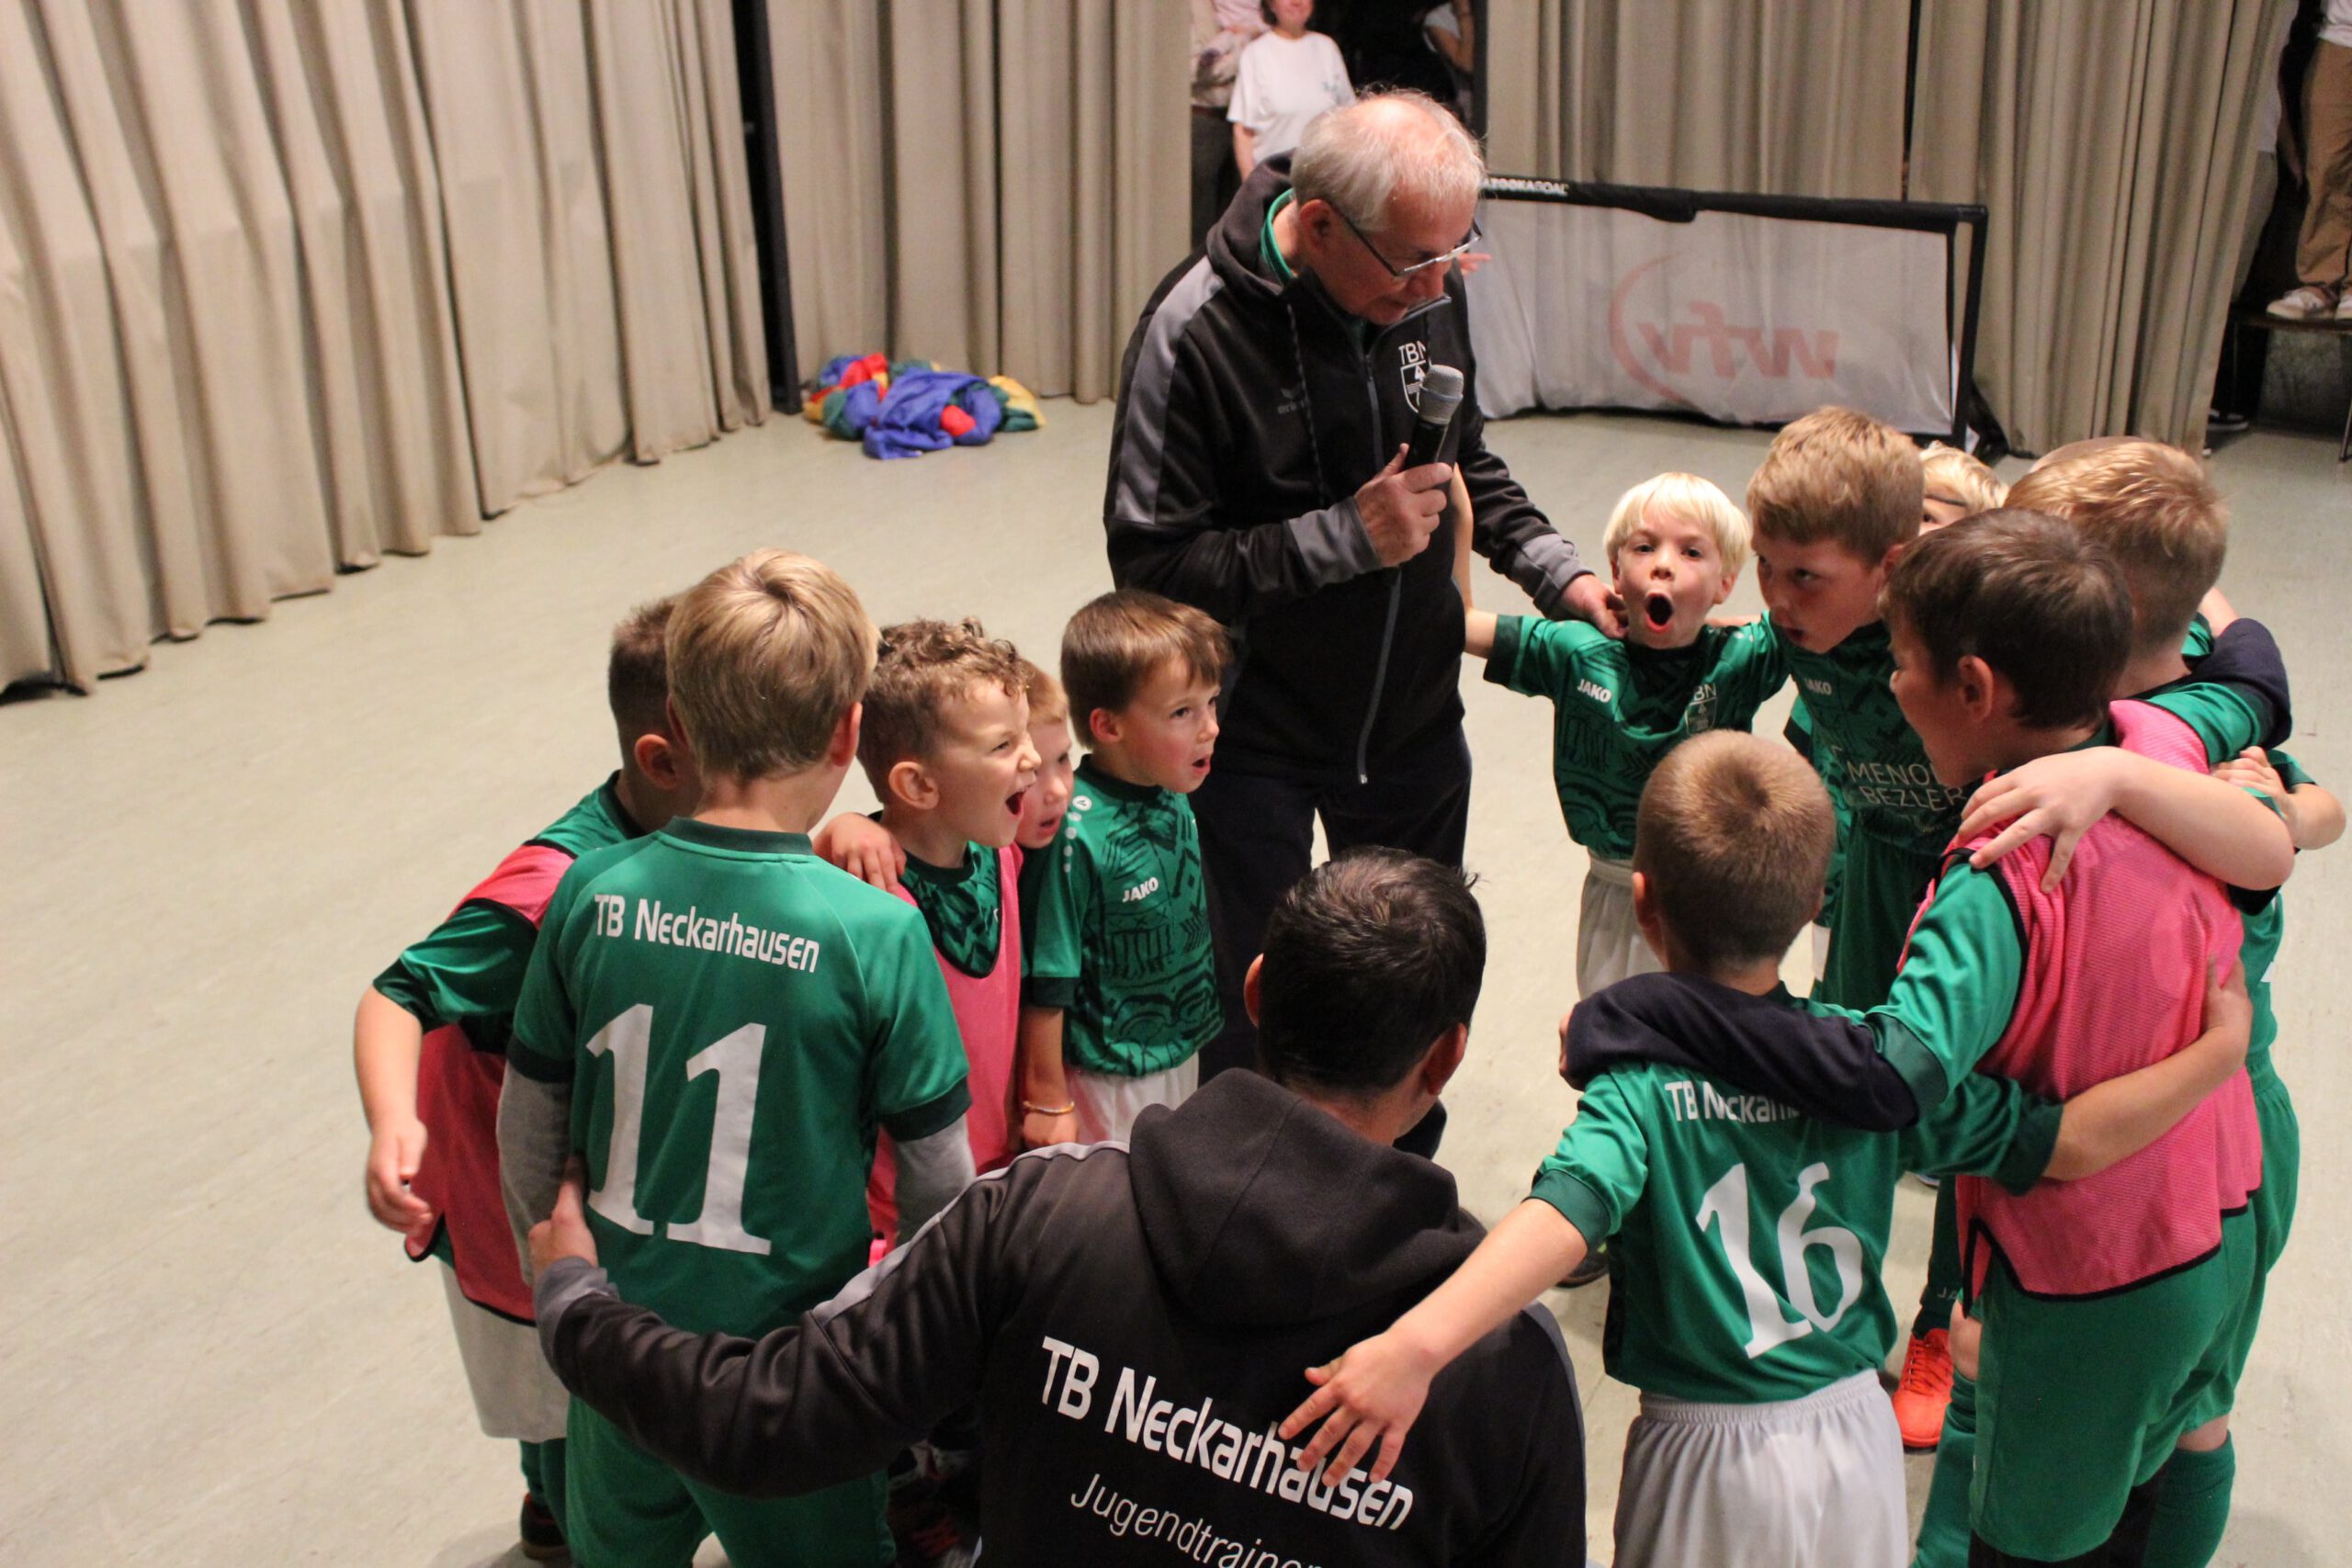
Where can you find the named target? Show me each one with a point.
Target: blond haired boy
(429, 1048)
(1676, 545)
(1744, 1236)
(1122, 991)
(715, 1023)
(1958, 486)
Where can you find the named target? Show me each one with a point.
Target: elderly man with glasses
(1256, 472)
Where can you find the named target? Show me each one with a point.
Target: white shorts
(1811, 1483)
(515, 1393)
(1108, 1104)
(1610, 946)
(1820, 952)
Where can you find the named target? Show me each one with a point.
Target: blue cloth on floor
(908, 422)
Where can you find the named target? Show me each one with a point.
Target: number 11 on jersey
(1725, 1206)
(735, 1057)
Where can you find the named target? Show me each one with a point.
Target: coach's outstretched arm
(832, 1398)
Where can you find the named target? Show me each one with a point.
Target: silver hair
(1361, 157)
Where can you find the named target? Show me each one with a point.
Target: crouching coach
(1134, 1320)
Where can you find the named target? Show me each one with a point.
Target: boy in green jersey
(1834, 501)
(1122, 988)
(429, 1046)
(715, 1023)
(1744, 1236)
(1676, 544)
(2153, 509)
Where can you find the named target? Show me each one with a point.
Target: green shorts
(1878, 897)
(2273, 1208)
(626, 1509)
(2080, 1400)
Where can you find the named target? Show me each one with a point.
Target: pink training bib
(2115, 967)
(988, 1014)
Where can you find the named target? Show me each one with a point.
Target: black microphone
(1440, 395)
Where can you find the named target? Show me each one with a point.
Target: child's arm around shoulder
(1374, 1391)
(863, 848)
(2208, 822)
(2314, 817)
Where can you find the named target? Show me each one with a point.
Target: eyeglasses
(1402, 273)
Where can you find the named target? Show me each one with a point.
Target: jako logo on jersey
(1413, 368)
(1080, 802)
(1818, 688)
(1698, 714)
(1136, 895)
(1598, 694)
(1658, 351)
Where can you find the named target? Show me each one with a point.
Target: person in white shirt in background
(1452, 32)
(1287, 77)
(1221, 30)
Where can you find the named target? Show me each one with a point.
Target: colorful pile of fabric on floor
(913, 407)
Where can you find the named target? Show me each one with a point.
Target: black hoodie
(1133, 1323)
(1249, 413)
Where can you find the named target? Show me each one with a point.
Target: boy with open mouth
(1676, 545)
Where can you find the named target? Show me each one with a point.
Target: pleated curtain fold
(2113, 148)
(996, 185)
(288, 284)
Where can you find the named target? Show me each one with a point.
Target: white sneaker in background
(2343, 308)
(2308, 303)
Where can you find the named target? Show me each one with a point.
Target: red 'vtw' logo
(1706, 341)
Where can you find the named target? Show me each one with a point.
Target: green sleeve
(1749, 670)
(1597, 1174)
(470, 967)
(1538, 657)
(547, 1020)
(917, 1050)
(1952, 998)
(1987, 1127)
(2290, 773)
(2222, 716)
(1065, 899)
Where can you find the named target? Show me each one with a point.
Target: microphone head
(1441, 394)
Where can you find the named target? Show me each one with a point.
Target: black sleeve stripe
(936, 1116)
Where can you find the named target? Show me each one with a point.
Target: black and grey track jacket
(1249, 413)
(1133, 1324)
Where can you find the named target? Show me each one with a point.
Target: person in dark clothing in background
(1132, 1320)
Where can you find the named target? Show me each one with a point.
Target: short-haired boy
(1957, 486)
(1834, 503)
(1122, 991)
(945, 745)
(1048, 800)
(2106, 1304)
(716, 1024)
(2154, 510)
(429, 1045)
(1744, 1238)
(1676, 545)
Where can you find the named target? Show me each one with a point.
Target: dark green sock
(533, 1469)
(1942, 1289)
(2192, 1507)
(1943, 1530)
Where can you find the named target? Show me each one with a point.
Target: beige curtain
(2112, 147)
(287, 284)
(1707, 95)
(996, 185)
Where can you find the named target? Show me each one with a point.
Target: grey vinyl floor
(208, 1354)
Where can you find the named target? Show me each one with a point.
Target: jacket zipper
(1395, 573)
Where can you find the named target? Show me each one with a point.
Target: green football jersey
(1744, 1239)
(1894, 819)
(735, 1019)
(1889, 790)
(2266, 932)
(469, 970)
(1123, 930)
(2227, 723)
(1618, 708)
(1798, 732)
(962, 906)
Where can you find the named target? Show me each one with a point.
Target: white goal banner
(1744, 319)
